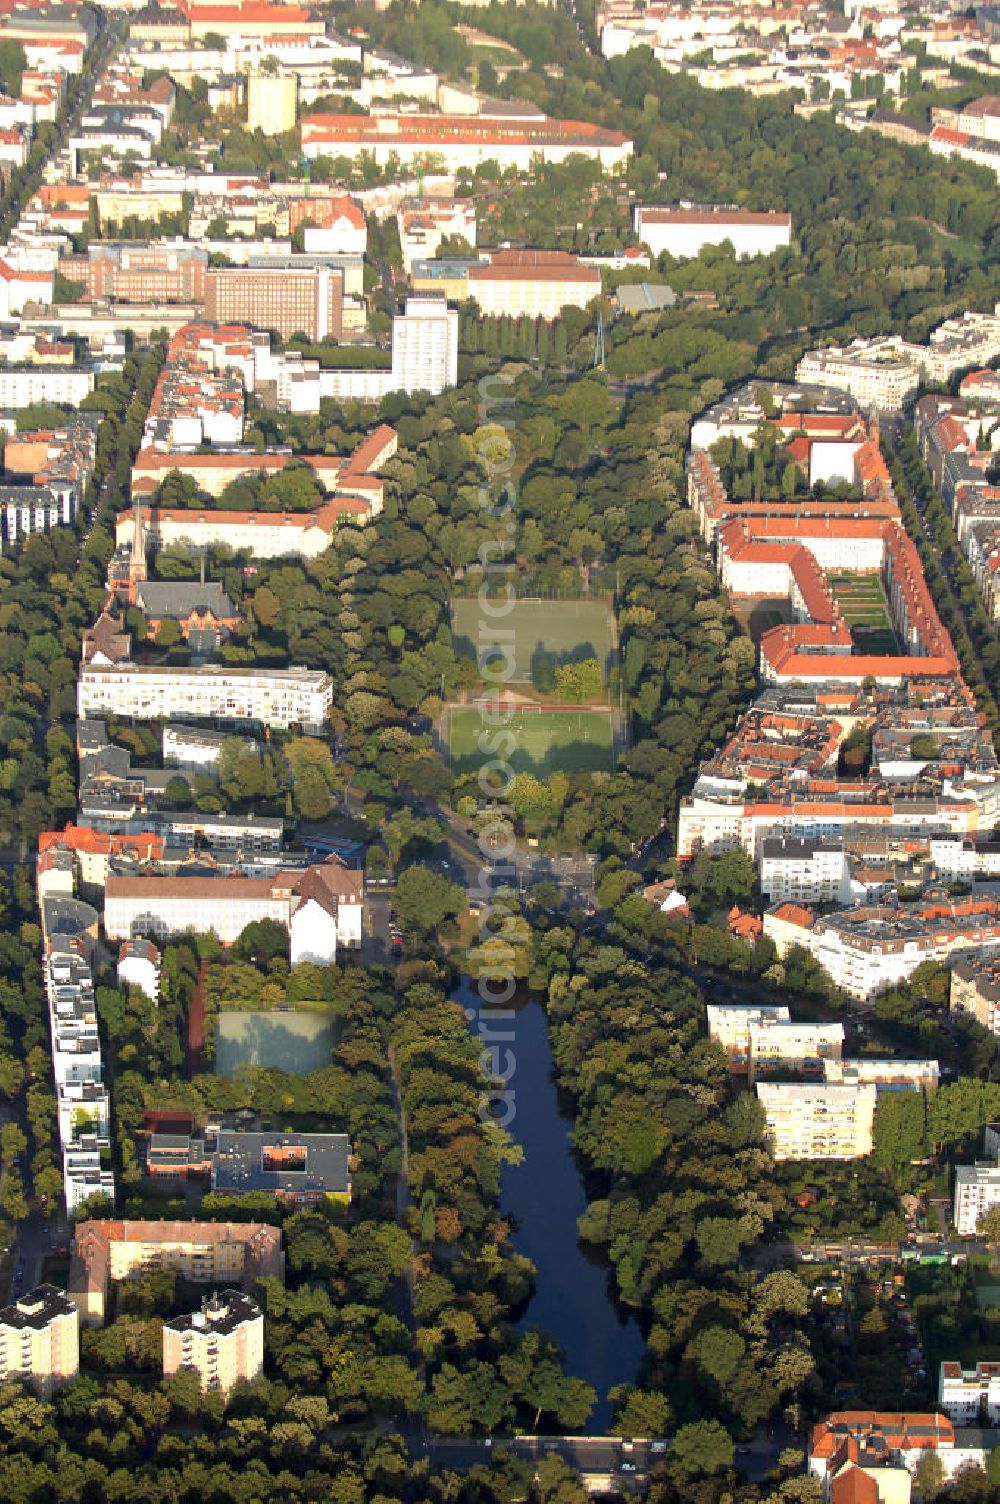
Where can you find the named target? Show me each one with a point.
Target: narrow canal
(545, 1196)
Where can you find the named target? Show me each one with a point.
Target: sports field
(546, 741)
(862, 602)
(572, 630)
(295, 1041)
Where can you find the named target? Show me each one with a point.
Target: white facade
(809, 1121)
(730, 1027)
(682, 232)
(386, 137)
(425, 347)
(777, 1046)
(276, 697)
(139, 966)
(40, 1340)
(805, 872)
(82, 1104)
(65, 384)
(318, 917)
(171, 906)
(969, 1395)
(977, 1189)
(272, 101)
(424, 357)
(313, 935)
(524, 292)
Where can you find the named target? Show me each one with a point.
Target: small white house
(139, 966)
(313, 931)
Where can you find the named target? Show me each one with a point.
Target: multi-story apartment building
(975, 988)
(40, 1340)
(886, 1073)
(682, 230)
(977, 1190)
(884, 372)
(818, 1121)
(800, 871)
(762, 1040)
(223, 1342)
(272, 101)
(281, 295)
(83, 1109)
(271, 697)
(870, 947)
(729, 1025)
(970, 1396)
(21, 386)
(216, 1253)
(424, 224)
(782, 1047)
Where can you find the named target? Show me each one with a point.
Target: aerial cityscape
(499, 795)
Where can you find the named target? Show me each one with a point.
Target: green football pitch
(546, 741)
(572, 630)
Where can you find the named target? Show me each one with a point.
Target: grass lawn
(863, 605)
(573, 630)
(547, 741)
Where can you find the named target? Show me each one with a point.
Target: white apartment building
(778, 1046)
(84, 1110)
(424, 359)
(885, 1073)
(723, 821)
(40, 1340)
(729, 1025)
(799, 871)
(970, 1396)
(867, 949)
(878, 373)
(977, 1189)
(84, 1175)
(23, 386)
(424, 225)
(683, 230)
(223, 1342)
(83, 1107)
(883, 372)
(272, 101)
(425, 346)
(274, 697)
(817, 1121)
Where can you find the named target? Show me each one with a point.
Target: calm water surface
(545, 1195)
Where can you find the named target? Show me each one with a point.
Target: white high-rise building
(977, 1189)
(40, 1339)
(425, 346)
(817, 1121)
(272, 99)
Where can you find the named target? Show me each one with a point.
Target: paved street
(600, 1456)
